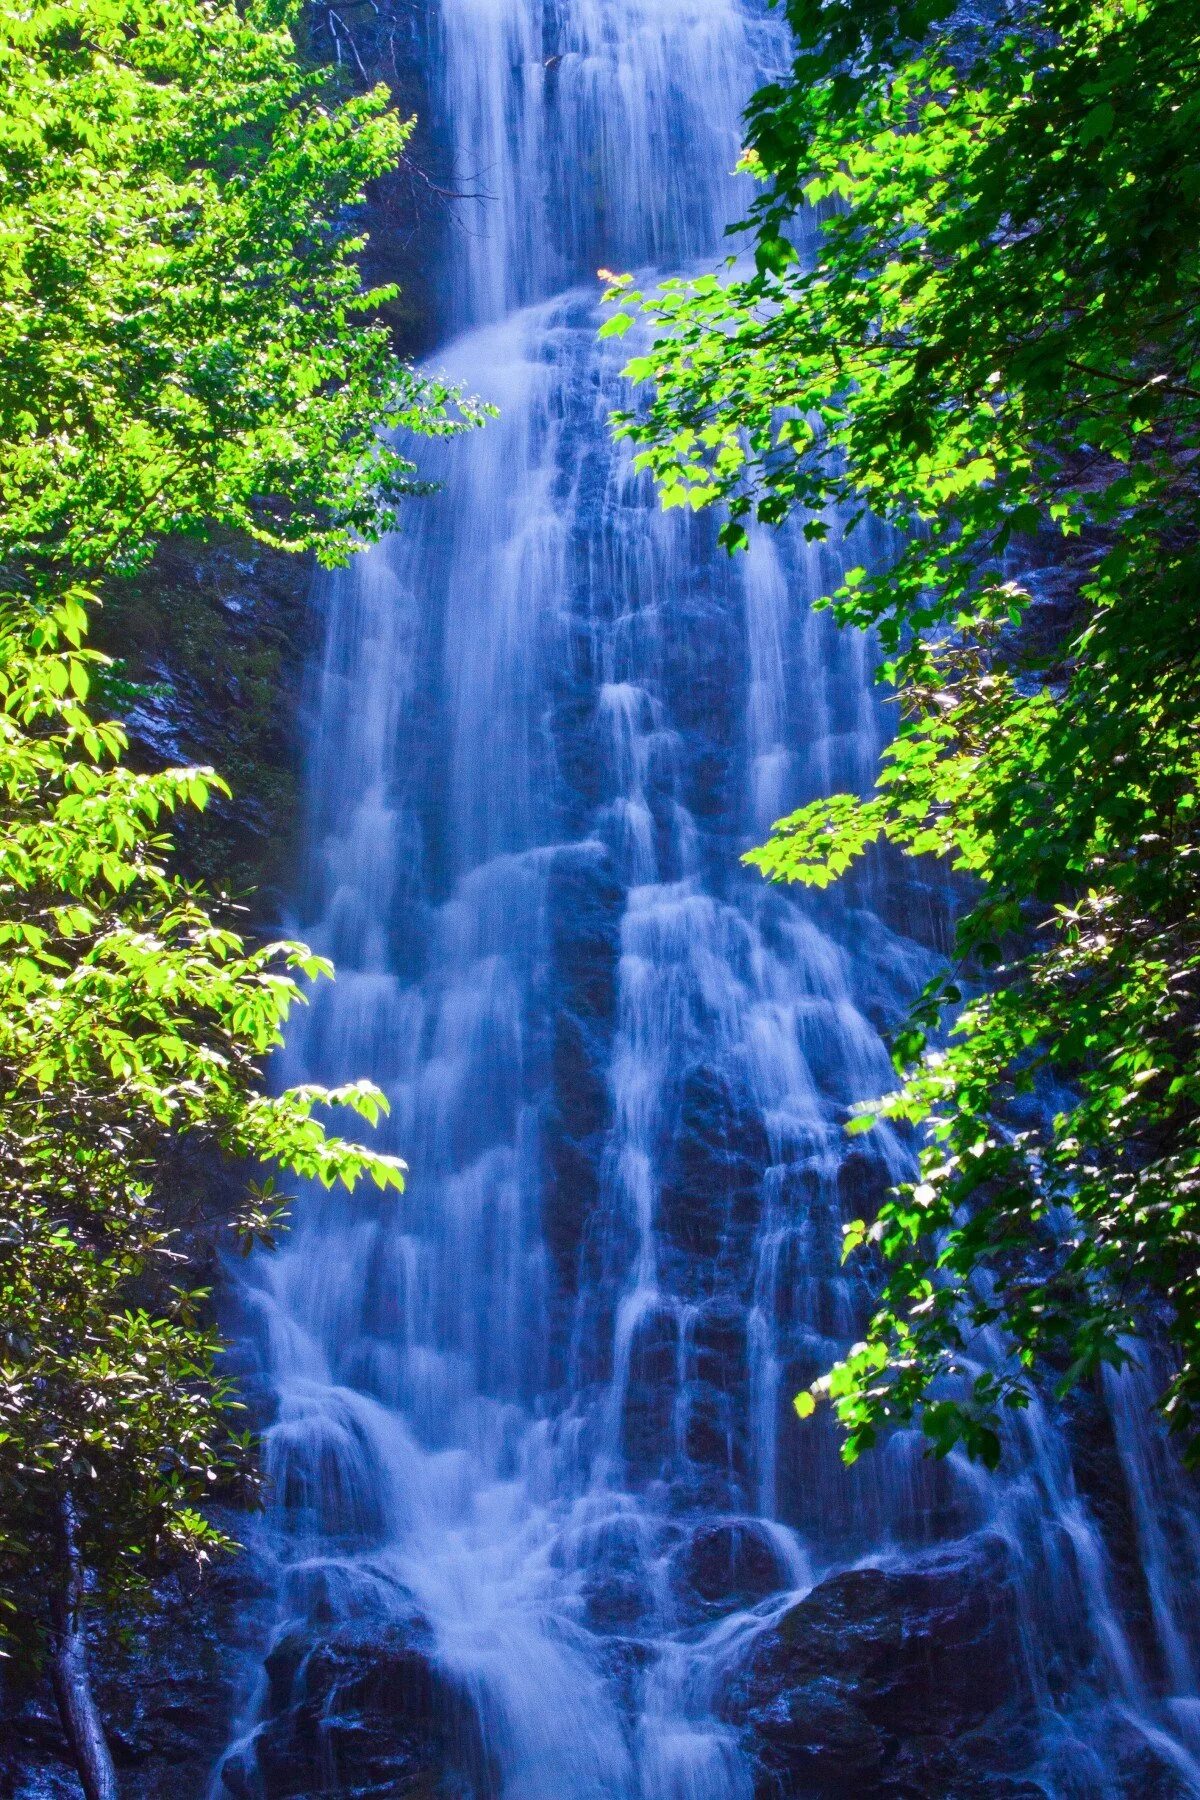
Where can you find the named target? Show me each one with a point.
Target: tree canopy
(183, 334)
(184, 344)
(974, 313)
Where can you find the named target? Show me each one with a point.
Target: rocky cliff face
(908, 1685)
(166, 1688)
(212, 641)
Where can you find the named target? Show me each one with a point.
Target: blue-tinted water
(523, 1405)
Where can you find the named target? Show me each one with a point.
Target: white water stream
(518, 1404)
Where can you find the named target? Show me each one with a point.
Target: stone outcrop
(167, 1694)
(359, 1714)
(879, 1683)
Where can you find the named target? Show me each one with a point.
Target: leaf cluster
(183, 332)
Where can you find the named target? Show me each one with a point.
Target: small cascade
(539, 1497)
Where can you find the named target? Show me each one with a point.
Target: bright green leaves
(183, 335)
(819, 843)
(773, 254)
(990, 345)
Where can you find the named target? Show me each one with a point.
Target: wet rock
(1147, 1775)
(714, 1440)
(585, 902)
(898, 1490)
(617, 1602)
(647, 1419)
(584, 905)
(622, 1584)
(882, 1683)
(575, 728)
(625, 1662)
(728, 1565)
(718, 1352)
(916, 900)
(862, 1185)
(570, 1199)
(575, 1140)
(714, 1402)
(711, 1202)
(1100, 1477)
(167, 1694)
(214, 637)
(361, 1714)
(704, 659)
(818, 1494)
(578, 1068)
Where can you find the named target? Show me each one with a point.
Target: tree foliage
(183, 334)
(128, 1014)
(184, 344)
(988, 335)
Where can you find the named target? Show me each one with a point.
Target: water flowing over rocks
(544, 1524)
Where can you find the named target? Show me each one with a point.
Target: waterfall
(532, 1423)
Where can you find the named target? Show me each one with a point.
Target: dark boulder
(884, 1684)
(362, 1713)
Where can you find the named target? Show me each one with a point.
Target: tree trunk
(69, 1669)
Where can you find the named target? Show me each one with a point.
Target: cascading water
(534, 1421)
